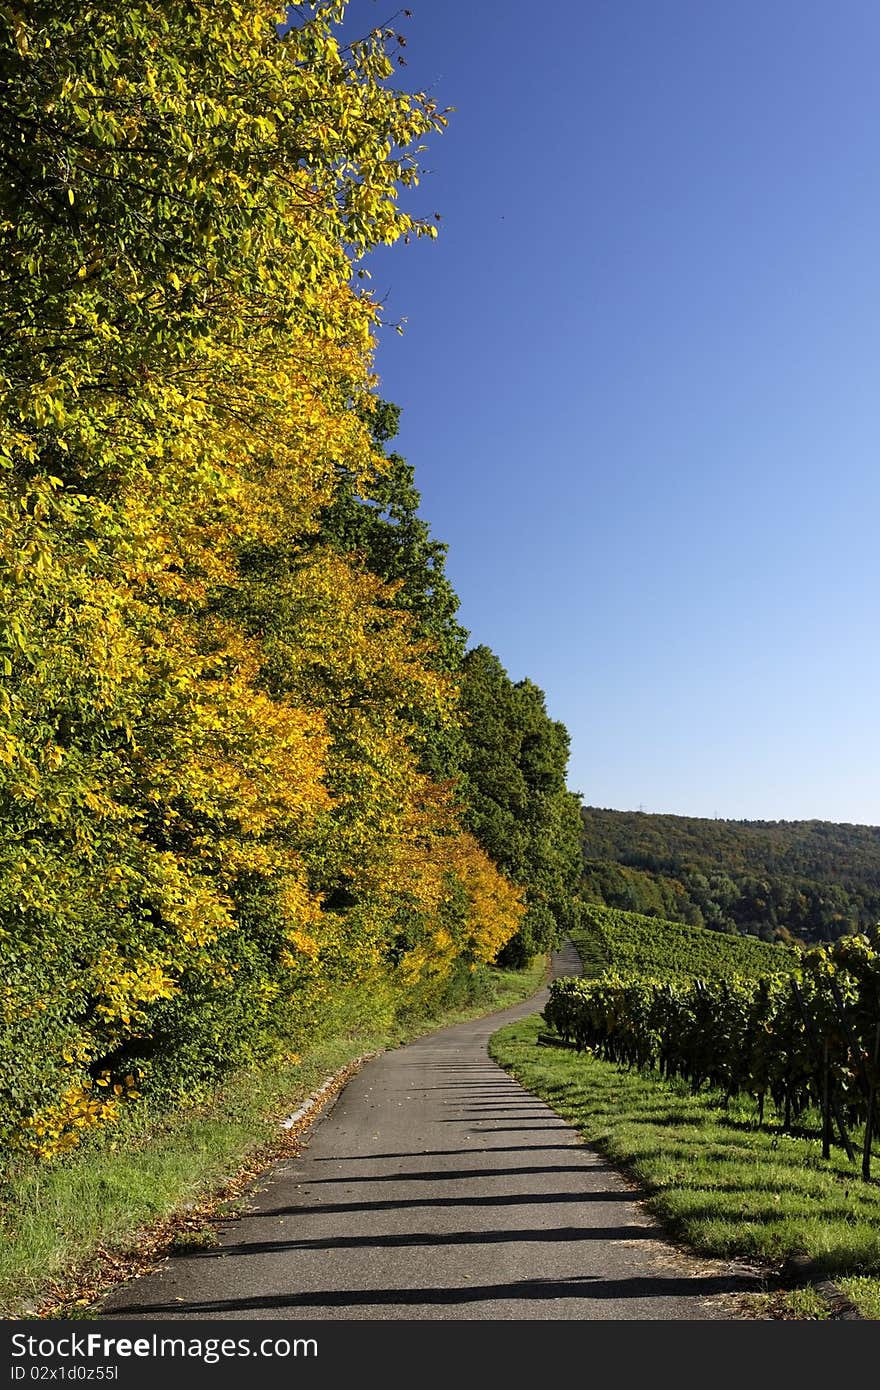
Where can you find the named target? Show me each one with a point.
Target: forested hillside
(813, 880)
(252, 786)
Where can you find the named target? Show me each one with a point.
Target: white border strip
(315, 1098)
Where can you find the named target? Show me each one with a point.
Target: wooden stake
(869, 1122)
(826, 1108)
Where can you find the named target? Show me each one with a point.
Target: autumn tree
(194, 776)
(518, 805)
(505, 756)
(375, 519)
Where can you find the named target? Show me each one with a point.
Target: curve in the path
(436, 1187)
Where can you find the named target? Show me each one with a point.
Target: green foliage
(212, 808)
(374, 518)
(864, 1292)
(517, 802)
(805, 1035)
(811, 880)
(231, 734)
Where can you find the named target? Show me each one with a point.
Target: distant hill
(812, 880)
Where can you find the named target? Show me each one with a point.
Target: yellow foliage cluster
(212, 813)
(57, 1128)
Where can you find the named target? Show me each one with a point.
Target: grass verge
(71, 1229)
(720, 1185)
(864, 1292)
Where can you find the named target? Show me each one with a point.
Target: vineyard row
(810, 1038)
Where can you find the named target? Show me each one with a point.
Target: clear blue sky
(639, 382)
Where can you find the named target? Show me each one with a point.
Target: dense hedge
(221, 829)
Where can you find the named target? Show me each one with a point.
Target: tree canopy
(219, 821)
(518, 805)
(812, 880)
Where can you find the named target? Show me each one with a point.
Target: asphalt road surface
(436, 1187)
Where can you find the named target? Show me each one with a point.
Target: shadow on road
(586, 1287)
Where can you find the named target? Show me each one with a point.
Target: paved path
(436, 1187)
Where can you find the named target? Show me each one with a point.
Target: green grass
(721, 1185)
(808, 1303)
(797, 1305)
(864, 1292)
(59, 1222)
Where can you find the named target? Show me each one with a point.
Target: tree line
(253, 783)
(808, 880)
